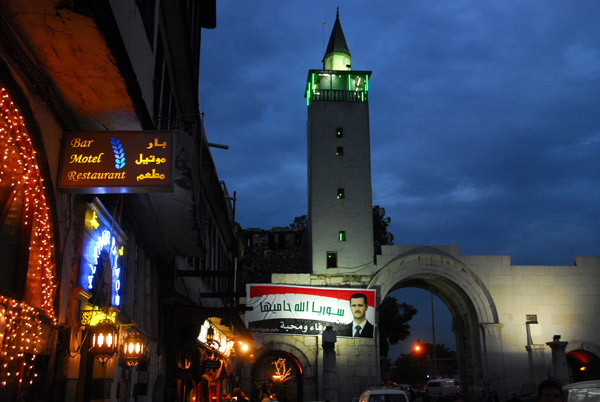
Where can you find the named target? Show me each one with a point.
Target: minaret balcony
(337, 86)
(336, 95)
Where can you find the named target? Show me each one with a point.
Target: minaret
(339, 163)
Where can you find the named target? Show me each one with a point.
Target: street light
(434, 352)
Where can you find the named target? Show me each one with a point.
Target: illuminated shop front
(208, 368)
(28, 274)
(104, 343)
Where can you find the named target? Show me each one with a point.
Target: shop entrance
(279, 375)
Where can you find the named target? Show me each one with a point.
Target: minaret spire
(337, 56)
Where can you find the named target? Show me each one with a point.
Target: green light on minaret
(337, 86)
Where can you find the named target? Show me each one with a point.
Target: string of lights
(23, 323)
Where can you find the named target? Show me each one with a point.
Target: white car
(585, 391)
(384, 395)
(442, 388)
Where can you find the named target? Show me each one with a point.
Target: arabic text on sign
(157, 144)
(152, 175)
(150, 159)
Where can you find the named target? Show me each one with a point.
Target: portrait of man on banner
(359, 327)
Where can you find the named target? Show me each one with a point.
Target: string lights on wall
(23, 322)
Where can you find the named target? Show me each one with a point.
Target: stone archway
(474, 316)
(305, 376)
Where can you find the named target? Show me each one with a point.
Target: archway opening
(583, 365)
(474, 317)
(279, 375)
(414, 360)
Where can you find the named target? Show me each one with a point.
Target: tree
(393, 323)
(300, 223)
(381, 236)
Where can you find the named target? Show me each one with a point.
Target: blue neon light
(97, 240)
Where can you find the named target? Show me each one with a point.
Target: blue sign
(102, 259)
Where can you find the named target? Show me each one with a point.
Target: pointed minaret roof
(337, 41)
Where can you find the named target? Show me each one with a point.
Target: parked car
(441, 388)
(412, 393)
(584, 391)
(384, 395)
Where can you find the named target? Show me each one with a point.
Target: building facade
(155, 261)
(514, 325)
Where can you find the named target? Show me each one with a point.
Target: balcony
(336, 95)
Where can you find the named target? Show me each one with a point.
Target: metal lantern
(133, 348)
(104, 341)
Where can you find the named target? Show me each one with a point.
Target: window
(339, 132)
(340, 193)
(331, 259)
(342, 235)
(339, 151)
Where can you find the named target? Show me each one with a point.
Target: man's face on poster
(359, 309)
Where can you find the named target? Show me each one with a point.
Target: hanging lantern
(211, 341)
(210, 336)
(104, 341)
(133, 348)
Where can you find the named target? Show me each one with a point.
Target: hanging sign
(116, 162)
(308, 310)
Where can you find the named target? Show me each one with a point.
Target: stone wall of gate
(503, 315)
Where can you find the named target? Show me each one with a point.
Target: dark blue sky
(485, 117)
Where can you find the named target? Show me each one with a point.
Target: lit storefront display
(215, 339)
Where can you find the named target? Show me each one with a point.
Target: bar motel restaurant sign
(117, 162)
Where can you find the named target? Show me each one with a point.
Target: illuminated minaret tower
(339, 163)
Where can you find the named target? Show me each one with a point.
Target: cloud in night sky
(485, 117)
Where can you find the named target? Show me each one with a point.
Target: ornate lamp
(210, 336)
(104, 341)
(210, 339)
(133, 348)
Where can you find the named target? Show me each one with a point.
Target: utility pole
(434, 355)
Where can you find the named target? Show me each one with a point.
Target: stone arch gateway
(508, 319)
(475, 319)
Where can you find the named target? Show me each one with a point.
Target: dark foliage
(300, 222)
(381, 236)
(393, 323)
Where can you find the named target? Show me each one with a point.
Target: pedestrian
(236, 395)
(549, 391)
